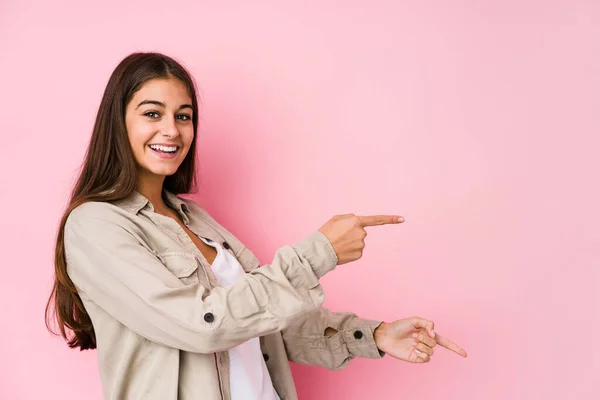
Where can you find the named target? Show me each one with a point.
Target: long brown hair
(109, 173)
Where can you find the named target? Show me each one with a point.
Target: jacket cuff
(360, 340)
(319, 252)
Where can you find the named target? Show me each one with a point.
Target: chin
(163, 170)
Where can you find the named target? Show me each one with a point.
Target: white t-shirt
(248, 375)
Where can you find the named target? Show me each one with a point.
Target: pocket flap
(182, 265)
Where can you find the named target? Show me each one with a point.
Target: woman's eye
(152, 114)
(184, 117)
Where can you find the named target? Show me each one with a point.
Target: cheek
(139, 134)
(187, 136)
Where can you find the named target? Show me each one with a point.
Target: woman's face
(159, 126)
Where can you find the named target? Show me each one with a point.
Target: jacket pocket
(183, 265)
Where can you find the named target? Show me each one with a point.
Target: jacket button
(358, 335)
(266, 357)
(226, 245)
(209, 317)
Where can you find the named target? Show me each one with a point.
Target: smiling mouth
(164, 149)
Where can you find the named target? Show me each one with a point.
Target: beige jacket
(163, 325)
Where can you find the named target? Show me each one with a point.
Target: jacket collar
(136, 202)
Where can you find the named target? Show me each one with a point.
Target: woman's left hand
(412, 339)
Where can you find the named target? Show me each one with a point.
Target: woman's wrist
(379, 334)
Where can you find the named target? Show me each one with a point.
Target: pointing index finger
(374, 220)
(450, 345)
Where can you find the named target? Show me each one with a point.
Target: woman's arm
(111, 268)
(330, 339)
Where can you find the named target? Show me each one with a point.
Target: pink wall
(478, 121)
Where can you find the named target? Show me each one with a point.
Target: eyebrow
(161, 104)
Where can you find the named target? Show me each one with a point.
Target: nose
(169, 128)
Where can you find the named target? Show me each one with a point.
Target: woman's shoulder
(95, 210)
(94, 215)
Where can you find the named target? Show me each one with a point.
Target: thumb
(420, 323)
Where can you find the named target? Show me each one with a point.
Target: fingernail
(432, 334)
(401, 219)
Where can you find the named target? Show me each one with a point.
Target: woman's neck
(152, 188)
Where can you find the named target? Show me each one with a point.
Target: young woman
(177, 307)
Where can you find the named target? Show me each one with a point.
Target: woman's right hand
(347, 233)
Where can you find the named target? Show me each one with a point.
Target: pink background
(476, 120)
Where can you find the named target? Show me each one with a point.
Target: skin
(160, 112)
(150, 123)
(412, 339)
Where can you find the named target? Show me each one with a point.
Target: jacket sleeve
(306, 343)
(111, 267)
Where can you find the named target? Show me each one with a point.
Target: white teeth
(169, 149)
